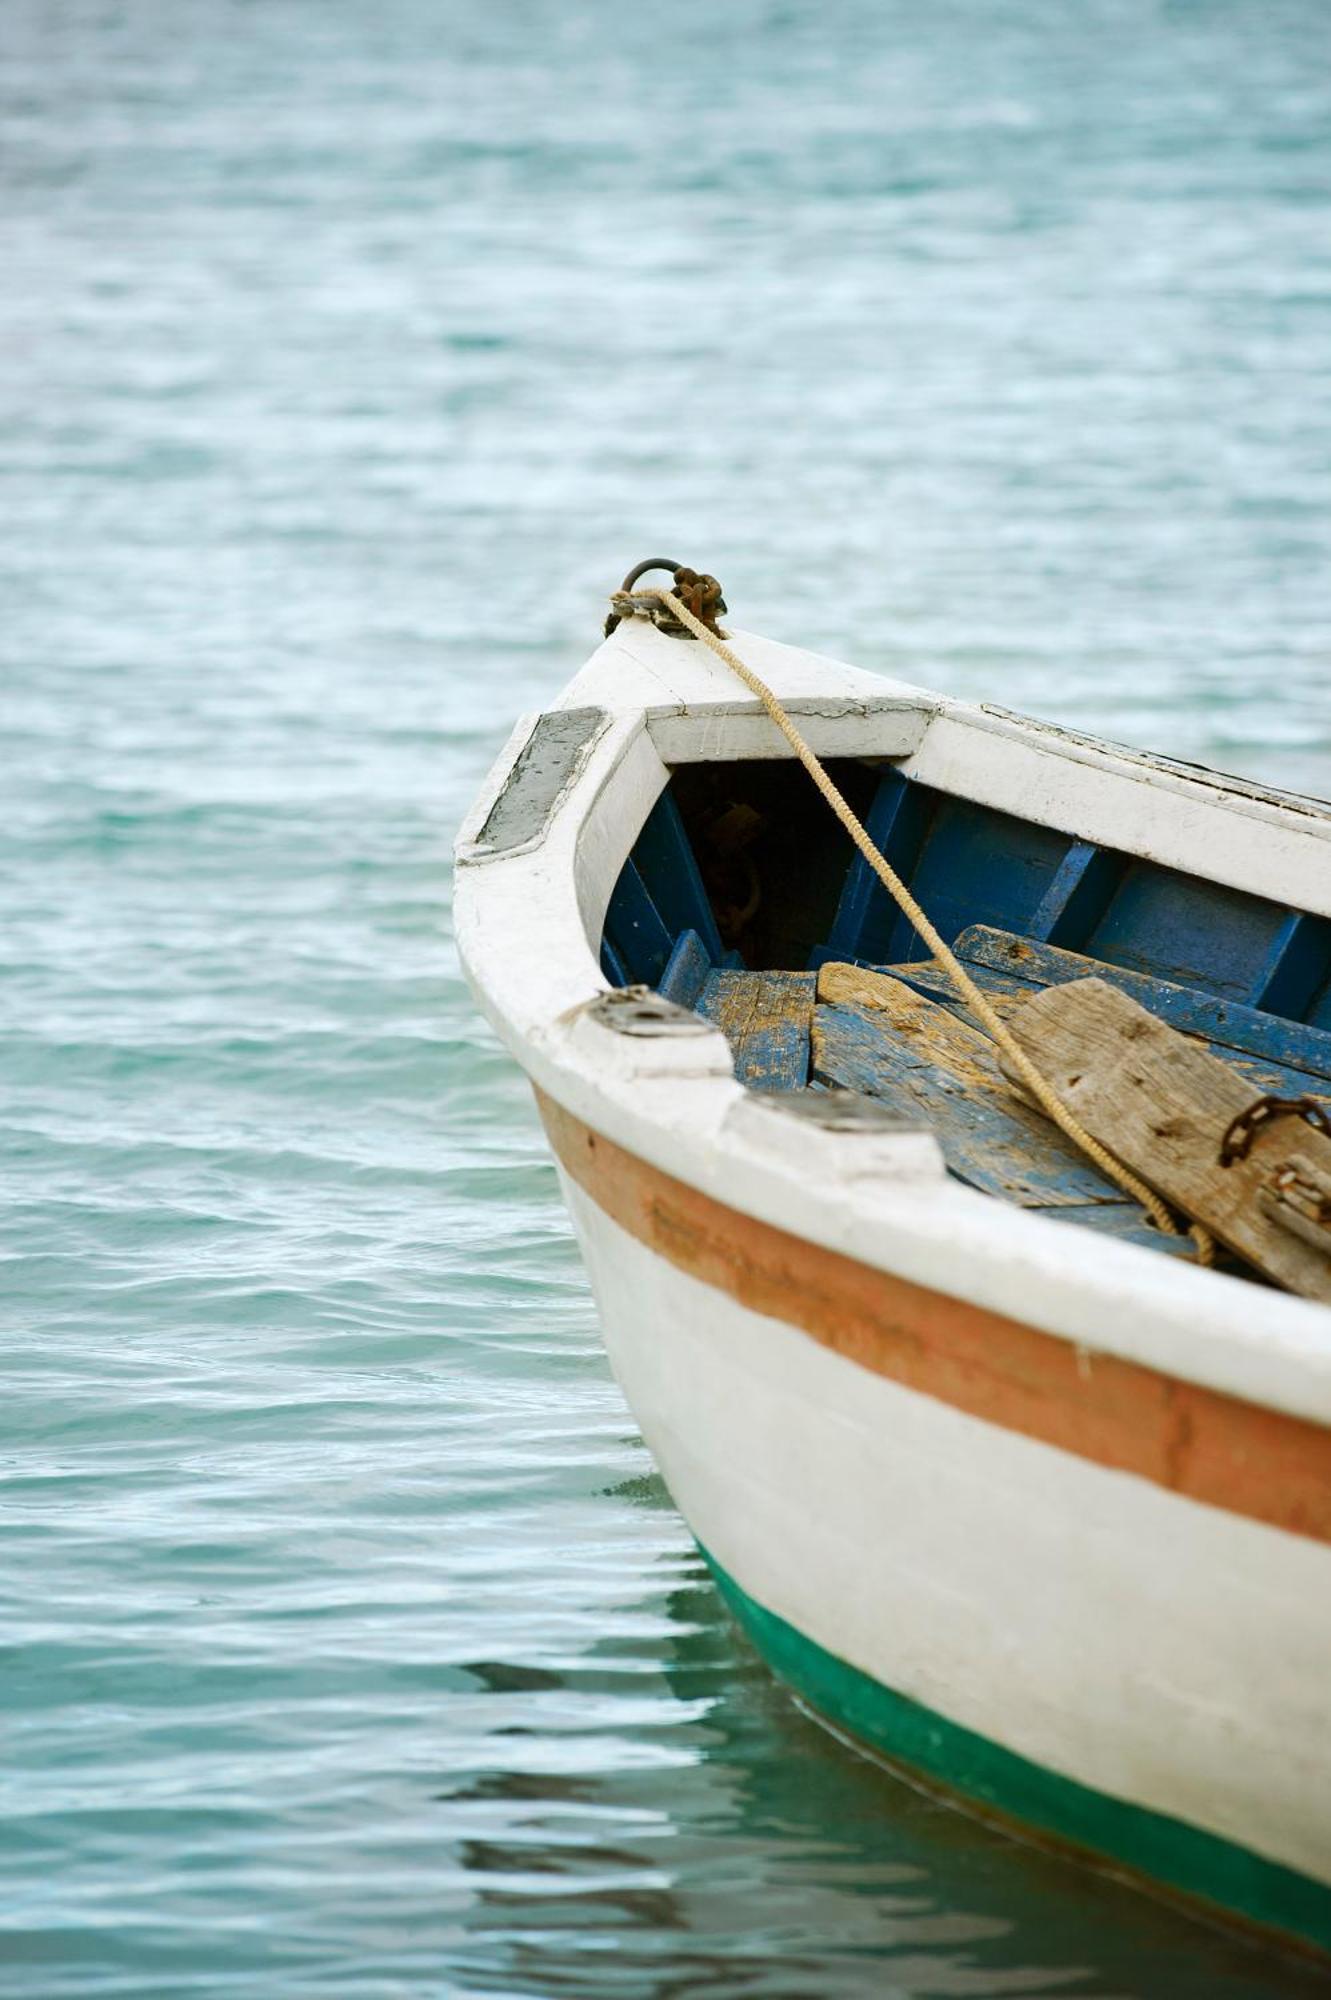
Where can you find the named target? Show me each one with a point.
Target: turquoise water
(351, 352)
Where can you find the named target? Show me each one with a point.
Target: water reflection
(700, 1835)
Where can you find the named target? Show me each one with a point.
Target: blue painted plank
(1297, 966)
(895, 822)
(1128, 1224)
(944, 1070)
(664, 857)
(1228, 1024)
(634, 930)
(1076, 898)
(968, 864)
(978, 866)
(612, 965)
(1319, 1013)
(1177, 927)
(765, 1017)
(686, 970)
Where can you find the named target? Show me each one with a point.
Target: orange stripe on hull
(1214, 1448)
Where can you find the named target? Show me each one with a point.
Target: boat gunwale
(526, 924)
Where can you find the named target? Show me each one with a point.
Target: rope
(1043, 1092)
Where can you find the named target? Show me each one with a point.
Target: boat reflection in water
(700, 1834)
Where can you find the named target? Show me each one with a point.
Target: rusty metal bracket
(1263, 1111)
(699, 593)
(1297, 1195)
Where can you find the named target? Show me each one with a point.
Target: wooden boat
(1004, 1484)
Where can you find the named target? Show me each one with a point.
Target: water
(351, 352)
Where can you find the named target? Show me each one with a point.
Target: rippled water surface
(350, 352)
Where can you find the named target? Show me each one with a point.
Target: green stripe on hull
(1149, 1844)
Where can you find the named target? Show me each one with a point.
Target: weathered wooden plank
(1162, 1104)
(928, 978)
(1004, 992)
(686, 970)
(1227, 1023)
(765, 1017)
(875, 1034)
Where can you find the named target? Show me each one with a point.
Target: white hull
(1062, 1502)
(1104, 1628)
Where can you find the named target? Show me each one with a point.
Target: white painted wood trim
(1127, 803)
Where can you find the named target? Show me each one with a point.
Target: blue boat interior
(742, 885)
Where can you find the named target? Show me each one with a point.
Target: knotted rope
(1017, 1059)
